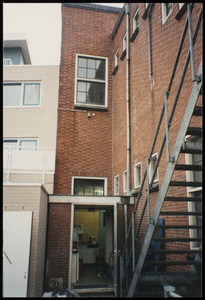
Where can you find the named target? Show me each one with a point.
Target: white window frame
(164, 12)
(190, 190)
(117, 58)
(181, 5)
(151, 169)
(91, 80)
(124, 42)
(125, 188)
(135, 26)
(93, 178)
(137, 182)
(116, 185)
(21, 100)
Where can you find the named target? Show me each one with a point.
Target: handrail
(158, 127)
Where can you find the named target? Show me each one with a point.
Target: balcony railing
(26, 159)
(7, 62)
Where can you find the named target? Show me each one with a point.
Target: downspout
(127, 11)
(149, 44)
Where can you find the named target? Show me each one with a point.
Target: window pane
(81, 97)
(88, 190)
(91, 63)
(9, 143)
(78, 190)
(82, 72)
(98, 191)
(30, 144)
(81, 86)
(31, 94)
(82, 62)
(12, 94)
(91, 73)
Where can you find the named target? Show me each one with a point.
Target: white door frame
(97, 201)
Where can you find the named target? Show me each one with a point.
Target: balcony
(28, 164)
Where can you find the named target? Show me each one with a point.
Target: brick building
(118, 67)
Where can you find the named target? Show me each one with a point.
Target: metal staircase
(164, 276)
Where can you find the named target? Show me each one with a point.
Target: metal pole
(133, 241)
(191, 43)
(126, 250)
(166, 124)
(148, 199)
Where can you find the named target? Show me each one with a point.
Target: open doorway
(93, 237)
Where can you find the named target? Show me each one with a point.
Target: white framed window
(91, 81)
(152, 165)
(136, 20)
(125, 182)
(21, 94)
(124, 42)
(116, 185)
(196, 192)
(89, 186)
(146, 5)
(166, 11)
(137, 175)
(117, 58)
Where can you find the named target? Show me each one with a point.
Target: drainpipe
(149, 44)
(127, 11)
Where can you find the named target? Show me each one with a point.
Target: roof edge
(118, 22)
(95, 7)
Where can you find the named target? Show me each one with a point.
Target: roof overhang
(18, 40)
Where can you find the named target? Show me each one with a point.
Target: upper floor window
(117, 58)
(166, 11)
(21, 94)
(125, 188)
(124, 42)
(136, 20)
(91, 81)
(152, 165)
(137, 175)
(116, 185)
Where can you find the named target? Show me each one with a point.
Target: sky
(42, 24)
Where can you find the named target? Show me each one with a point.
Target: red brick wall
(84, 145)
(58, 242)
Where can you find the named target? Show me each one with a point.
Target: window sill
(123, 55)
(134, 35)
(90, 107)
(115, 70)
(181, 12)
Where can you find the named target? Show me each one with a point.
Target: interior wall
(89, 222)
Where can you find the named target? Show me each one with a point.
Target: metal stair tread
(171, 263)
(198, 111)
(197, 131)
(186, 199)
(185, 183)
(175, 251)
(184, 213)
(179, 226)
(181, 239)
(186, 167)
